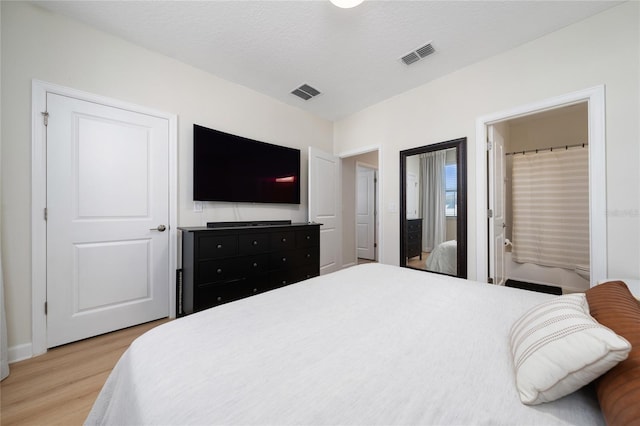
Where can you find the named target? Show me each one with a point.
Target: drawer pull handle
(219, 270)
(308, 237)
(219, 246)
(284, 281)
(255, 264)
(219, 298)
(284, 240)
(284, 259)
(308, 255)
(255, 290)
(255, 243)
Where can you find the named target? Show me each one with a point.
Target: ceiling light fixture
(346, 4)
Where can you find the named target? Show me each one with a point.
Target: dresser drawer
(307, 238)
(309, 256)
(220, 270)
(414, 225)
(253, 244)
(215, 246)
(294, 258)
(282, 240)
(212, 295)
(411, 238)
(290, 276)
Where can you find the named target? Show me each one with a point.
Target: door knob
(160, 228)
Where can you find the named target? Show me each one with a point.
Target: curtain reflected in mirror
(433, 209)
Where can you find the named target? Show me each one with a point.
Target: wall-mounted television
(233, 168)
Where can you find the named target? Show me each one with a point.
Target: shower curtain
(433, 199)
(551, 208)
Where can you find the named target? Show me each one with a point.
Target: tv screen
(232, 168)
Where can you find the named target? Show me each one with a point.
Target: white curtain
(4, 365)
(433, 199)
(551, 208)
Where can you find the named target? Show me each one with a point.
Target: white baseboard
(20, 352)
(348, 265)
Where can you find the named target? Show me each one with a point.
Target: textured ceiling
(351, 55)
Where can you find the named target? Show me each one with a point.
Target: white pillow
(557, 348)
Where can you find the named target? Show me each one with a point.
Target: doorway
(593, 98)
(539, 198)
(360, 206)
(366, 195)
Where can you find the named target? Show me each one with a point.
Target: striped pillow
(557, 348)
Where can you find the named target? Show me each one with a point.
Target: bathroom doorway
(541, 235)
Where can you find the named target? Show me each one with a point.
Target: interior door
(412, 196)
(325, 206)
(497, 222)
(108, 208)
(365, 213)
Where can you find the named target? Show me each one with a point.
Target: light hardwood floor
(416, 262)
(59, 387)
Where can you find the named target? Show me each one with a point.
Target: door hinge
(489, 213)
(46, 214)
(45, 117)
(489, 145)
(46, 310)
(375, 245)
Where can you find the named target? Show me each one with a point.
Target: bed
(444, 258)
(371, 345)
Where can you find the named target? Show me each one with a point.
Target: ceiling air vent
(418, 54)
(305, 92)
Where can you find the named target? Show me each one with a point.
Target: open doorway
(539, 200)
(595, 99)
(359, 207)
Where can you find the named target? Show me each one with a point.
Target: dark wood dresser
(414, 238)
(230, 261)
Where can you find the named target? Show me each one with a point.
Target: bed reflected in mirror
(433, 225)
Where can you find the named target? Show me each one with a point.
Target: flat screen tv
(233, 168)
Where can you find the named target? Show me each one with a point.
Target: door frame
(375, 207)
(595, 97)
(39, 200)
(380, 258)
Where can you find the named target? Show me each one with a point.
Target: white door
(365, 213)
(412, 196)
(497, 223)
(107, 205)
(325, 206)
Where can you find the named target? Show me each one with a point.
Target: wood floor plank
(60, 387)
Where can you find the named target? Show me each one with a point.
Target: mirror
(433, 208)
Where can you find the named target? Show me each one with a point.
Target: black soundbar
(249, 223)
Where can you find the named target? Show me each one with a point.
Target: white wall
(559, 63)
(39, 45)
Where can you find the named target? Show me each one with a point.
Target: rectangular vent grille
(410, 58)
(418, 54)
(425, 50)
(305, 92)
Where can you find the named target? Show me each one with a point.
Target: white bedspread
(369, 345)
(444, 258)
